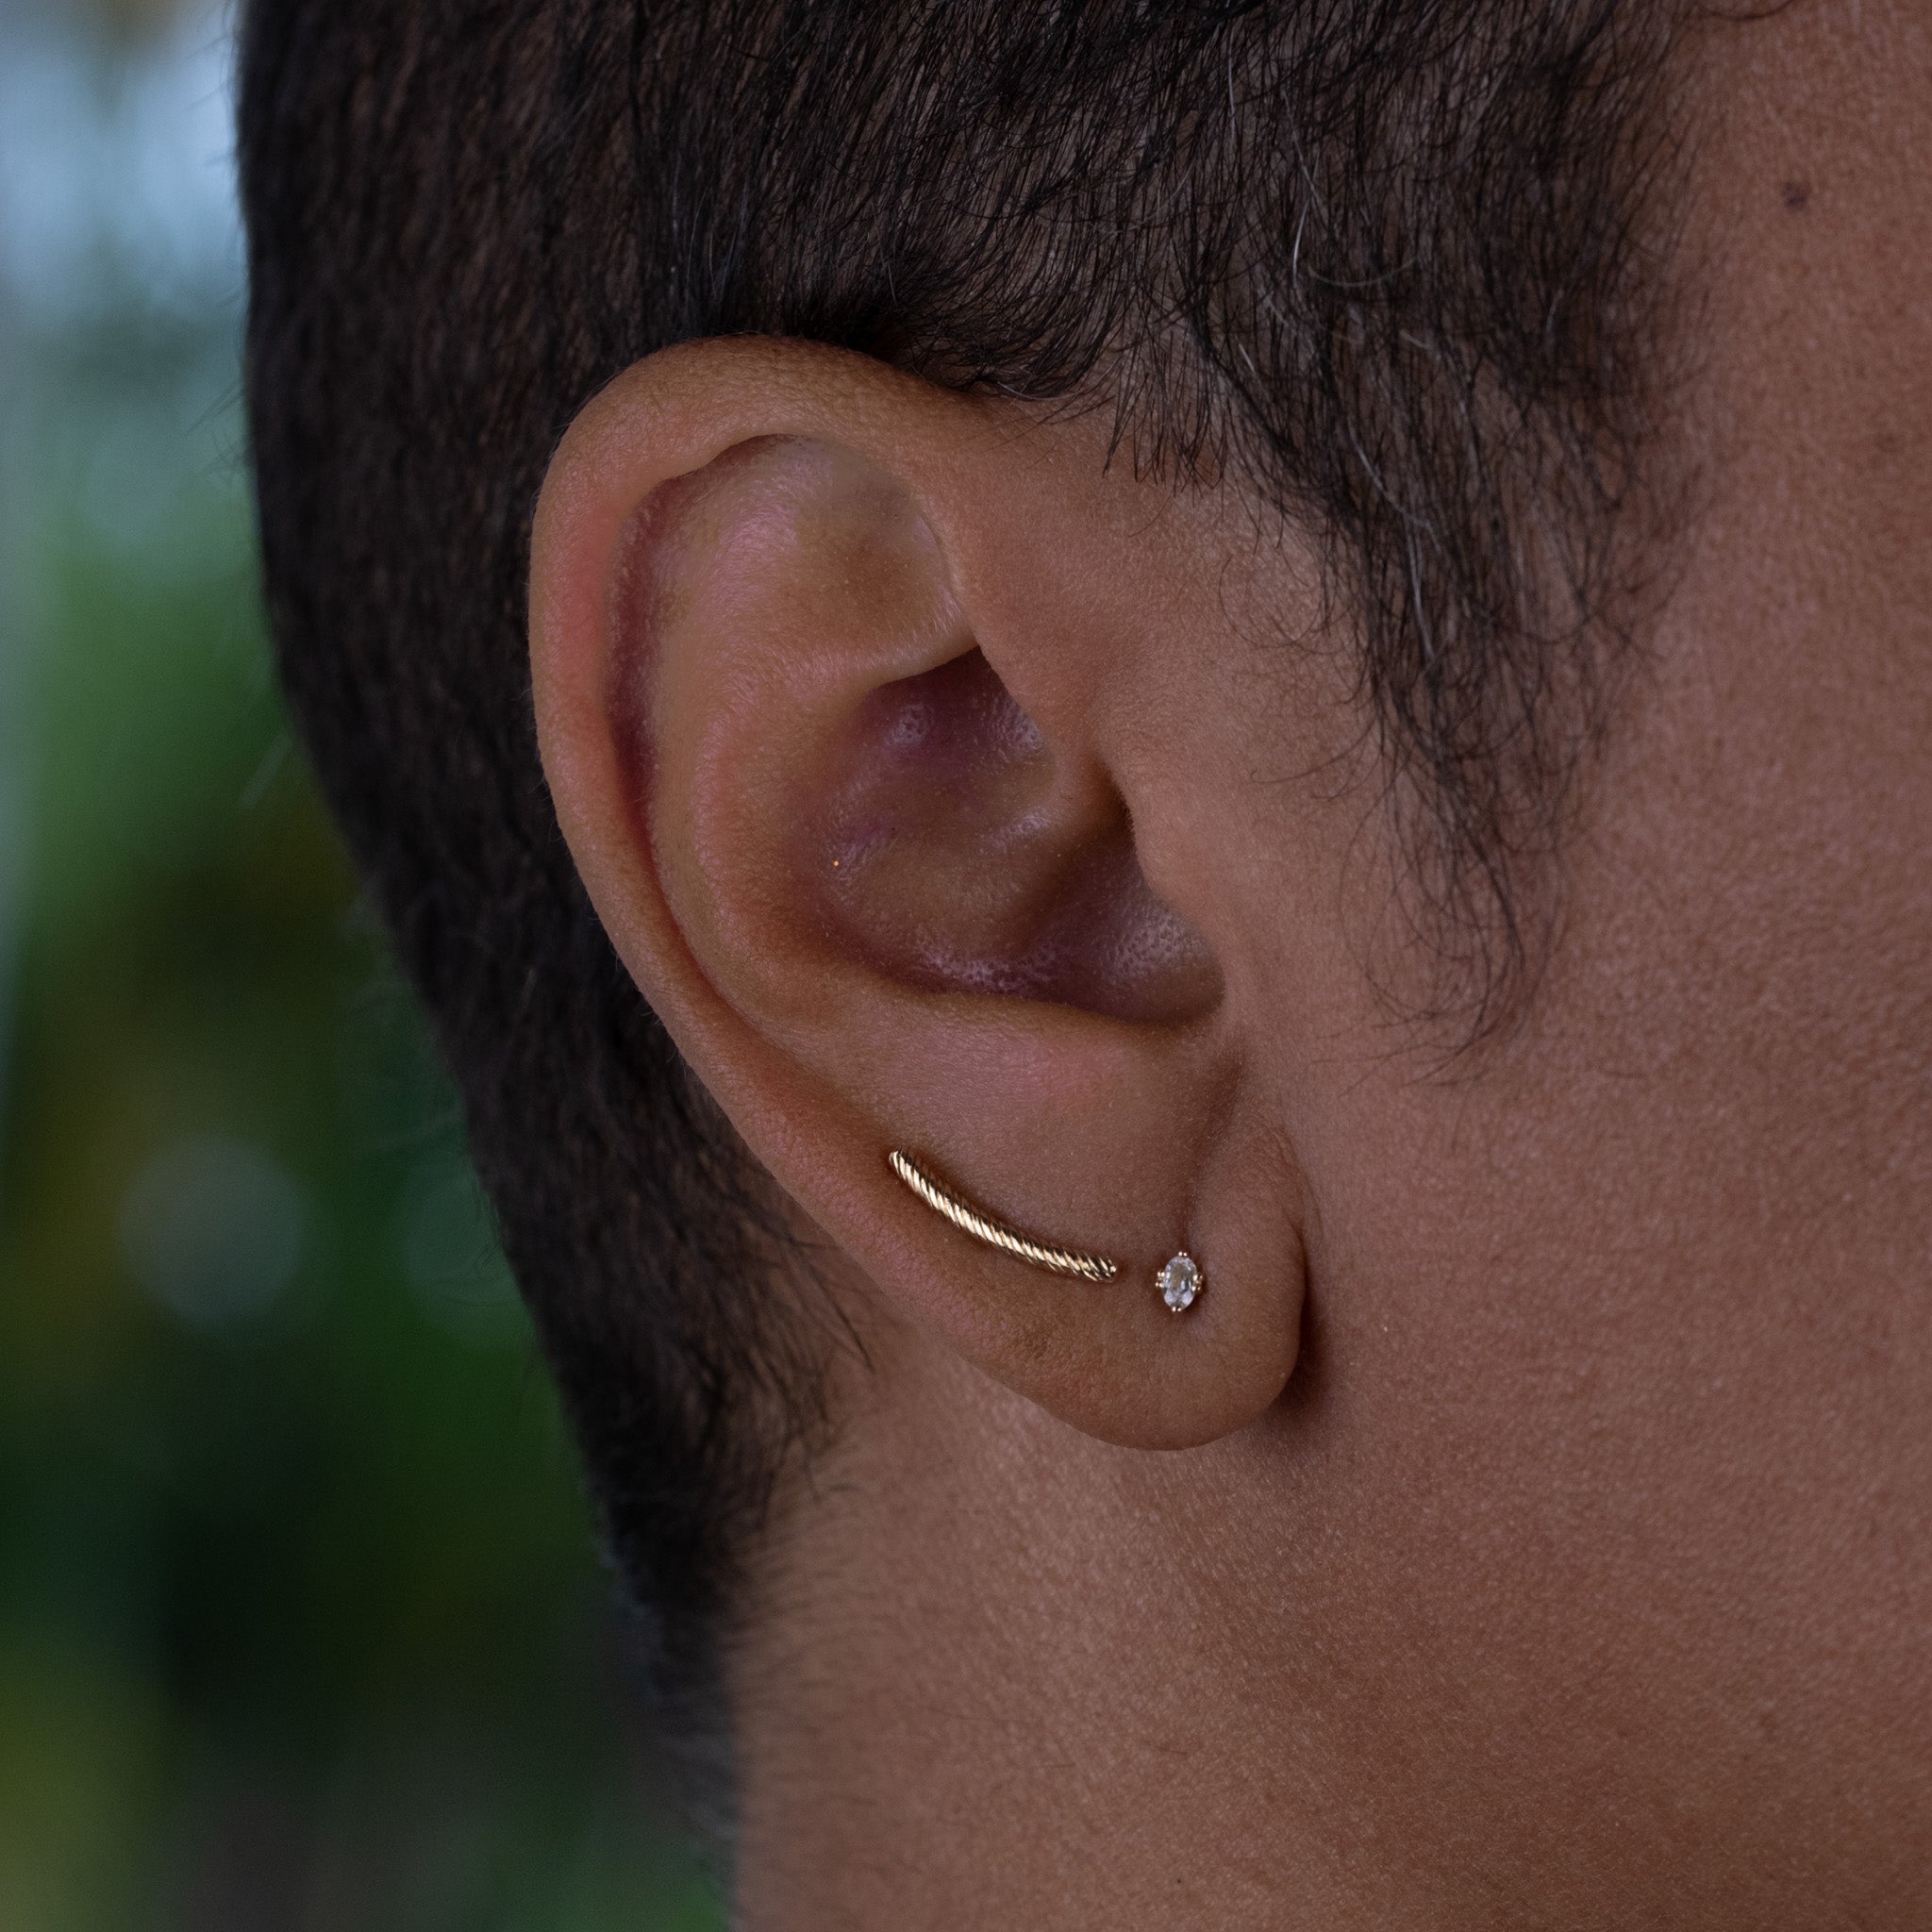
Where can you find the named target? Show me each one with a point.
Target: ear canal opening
(956, 853)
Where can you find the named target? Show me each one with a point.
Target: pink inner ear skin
(945, 852)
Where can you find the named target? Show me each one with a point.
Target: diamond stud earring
(1180, 1282)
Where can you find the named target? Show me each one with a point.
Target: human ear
(842, 696)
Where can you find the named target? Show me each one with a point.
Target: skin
(1530, 1524)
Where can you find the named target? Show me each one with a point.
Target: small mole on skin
(1797, 197)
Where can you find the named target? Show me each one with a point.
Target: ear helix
(1179, 1279)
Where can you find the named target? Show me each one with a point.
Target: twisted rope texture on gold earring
(969, 1220)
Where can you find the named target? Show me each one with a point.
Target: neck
(998, 1676)
(1363, 1666)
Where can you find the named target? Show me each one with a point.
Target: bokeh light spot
(212, 1229)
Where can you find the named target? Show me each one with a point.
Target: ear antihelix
(1179, 1279)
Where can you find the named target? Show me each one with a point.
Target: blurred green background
(300, 1620)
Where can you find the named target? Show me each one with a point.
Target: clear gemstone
(1179, 1282)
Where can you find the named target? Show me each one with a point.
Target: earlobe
(887, 908)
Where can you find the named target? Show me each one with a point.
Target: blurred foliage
(300, 1623)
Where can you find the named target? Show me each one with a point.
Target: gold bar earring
(982, 1227)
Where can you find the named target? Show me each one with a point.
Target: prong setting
(1180, 1282)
